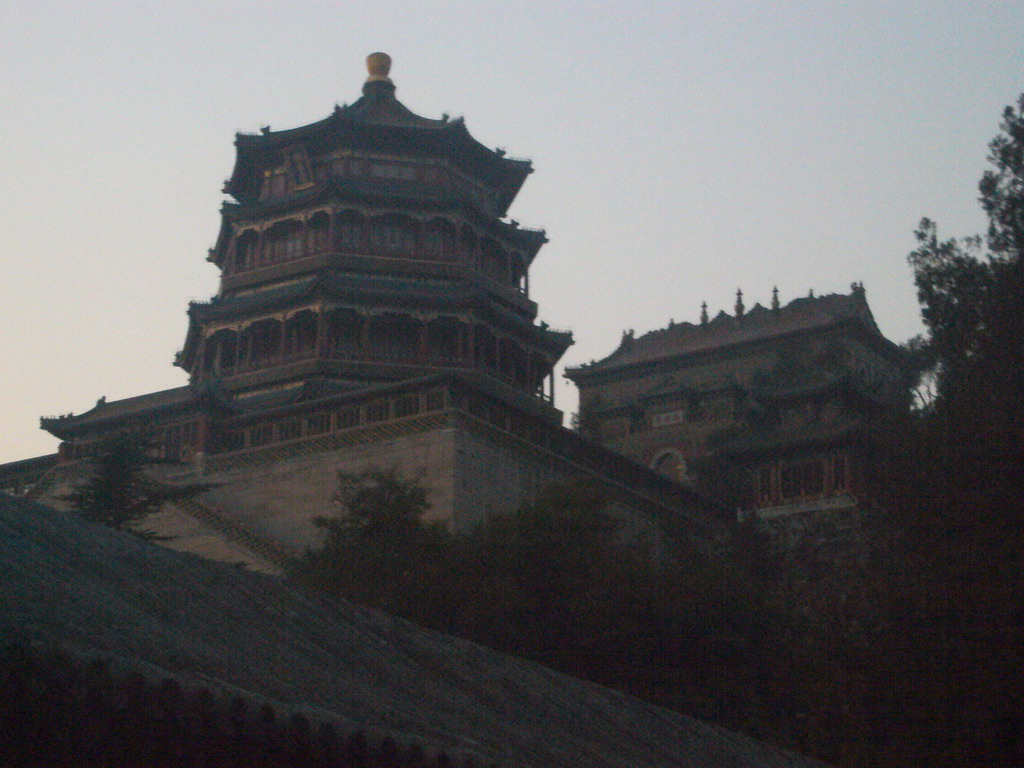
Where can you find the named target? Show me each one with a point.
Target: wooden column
(321, 332)
(203, 433)
(200, 368)
(422, 342)
(238, 348)
(364, 334)
(217, 364)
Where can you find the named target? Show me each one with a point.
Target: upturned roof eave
(462, 296)
(610, 366)
(103, 414)
(449, 140)
(321, 285)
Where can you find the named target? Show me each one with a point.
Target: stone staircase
(236, 533)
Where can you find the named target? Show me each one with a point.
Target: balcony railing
(379, 356)
(380, 263)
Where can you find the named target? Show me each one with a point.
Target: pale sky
(681, 150)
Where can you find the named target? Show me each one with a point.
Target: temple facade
(373, 311)
(781, 394)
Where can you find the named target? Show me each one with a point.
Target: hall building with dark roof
(373, 310)
(784, 396)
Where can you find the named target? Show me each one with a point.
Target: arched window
(261, 343)
(350, 231)
(344, 332)
(283, 242)
(392, 234)
(317, 233)
(540, 368)
(300, 335)
(444, 335)
(670, 463)
(494, 261)
(220, 352)
(439, 239)
(516, 272)
(394, 336)
(246, 248)
(485, 347)
(468, 245)
(512, 361)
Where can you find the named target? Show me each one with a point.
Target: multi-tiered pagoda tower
(367, 248)
(373, 310)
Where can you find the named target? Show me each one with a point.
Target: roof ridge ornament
(378, 65)
(378, 86)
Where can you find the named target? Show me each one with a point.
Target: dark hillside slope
(96, 592)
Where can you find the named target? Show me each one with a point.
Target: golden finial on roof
(379, 66)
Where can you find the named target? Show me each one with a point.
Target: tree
(907, 637)
(956, 530)
(376, 502)
(972, 298)
(378, 550)
(972, 302)
(119, 493)
(1002, 188)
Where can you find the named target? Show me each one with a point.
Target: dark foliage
(557, 583)
(954, 475)
(915, 634)
(119, 493)
(377, 550)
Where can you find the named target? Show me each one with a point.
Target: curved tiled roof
(396, 291)
(122, 410)
(726, 331)
(387, 291)
(379, 122)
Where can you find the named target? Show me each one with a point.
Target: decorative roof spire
(378, 85)
(775, 297)
(378, 64)
(739, 303)
(703, 313)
